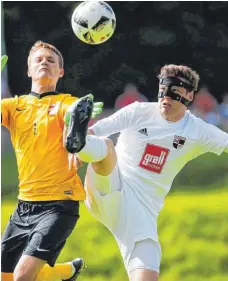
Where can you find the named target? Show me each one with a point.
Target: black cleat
(79, 266)
(80, 114)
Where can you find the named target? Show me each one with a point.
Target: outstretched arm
(117, 122)
(8, 107)
(4, 60)
(213, 139)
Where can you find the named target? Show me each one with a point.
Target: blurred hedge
(193, 233)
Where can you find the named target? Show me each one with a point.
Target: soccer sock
(7, 276)
(60, 271)
(94, 150)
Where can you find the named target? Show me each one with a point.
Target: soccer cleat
(79, 266)
(79, 115)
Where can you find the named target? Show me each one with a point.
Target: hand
(74, 161)
(4, 60)
(97, 107)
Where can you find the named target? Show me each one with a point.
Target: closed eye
(49, 59)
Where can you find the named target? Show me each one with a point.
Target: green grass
(193, 231)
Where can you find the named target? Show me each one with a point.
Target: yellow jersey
(36, 125)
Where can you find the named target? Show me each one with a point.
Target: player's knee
(110, 151)
(106, 165)
(22, 275)
(143, 275)
(110, 146)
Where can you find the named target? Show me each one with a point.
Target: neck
(40, 89)
(173, 118)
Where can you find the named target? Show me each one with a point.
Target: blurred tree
(148, 35)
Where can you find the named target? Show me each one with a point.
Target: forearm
(115, 123)
(104, 128)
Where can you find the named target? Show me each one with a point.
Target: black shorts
(38, 229)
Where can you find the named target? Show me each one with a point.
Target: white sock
(94, 150)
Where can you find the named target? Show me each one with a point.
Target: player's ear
(191, 95)
(61, 73)
(29, 72)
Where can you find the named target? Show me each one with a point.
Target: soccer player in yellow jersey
(49, 193)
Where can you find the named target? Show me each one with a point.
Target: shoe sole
(78, 125)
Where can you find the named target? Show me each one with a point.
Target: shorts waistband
(46, 202)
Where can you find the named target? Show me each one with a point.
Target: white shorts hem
(142, 267)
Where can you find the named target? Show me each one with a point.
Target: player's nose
(167, 98)
(44, 63)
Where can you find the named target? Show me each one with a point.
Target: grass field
(193, 230)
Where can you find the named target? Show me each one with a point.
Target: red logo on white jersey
(154, 158)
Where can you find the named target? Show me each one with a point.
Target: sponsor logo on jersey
(69, 192)
(143, 131)
(178, 142)
(154, 158)
(53, 108)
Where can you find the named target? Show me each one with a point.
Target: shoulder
(203, 128)
(140, 111)
(144, 105)
(198, 122)
(11, 102)
(66, 98)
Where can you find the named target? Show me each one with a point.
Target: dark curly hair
(181, 71)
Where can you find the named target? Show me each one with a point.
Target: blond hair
(41, 44)
(181, 71)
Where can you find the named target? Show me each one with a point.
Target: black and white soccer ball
(93, 22)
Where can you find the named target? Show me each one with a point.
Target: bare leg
(28, 268)
(143, 275)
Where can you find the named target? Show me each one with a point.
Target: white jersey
(151, 151)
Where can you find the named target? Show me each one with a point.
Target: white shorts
(145, 255)
(103, 194)
(104, 198)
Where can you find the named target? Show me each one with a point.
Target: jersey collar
(40, 96)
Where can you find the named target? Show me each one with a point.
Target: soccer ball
(93, 22)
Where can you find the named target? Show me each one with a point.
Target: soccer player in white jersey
(126, 185)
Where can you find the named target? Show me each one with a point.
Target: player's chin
(44, 75)
(44, 71)
(165, 109)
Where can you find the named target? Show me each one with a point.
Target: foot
(79, 115)
(79, 265)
